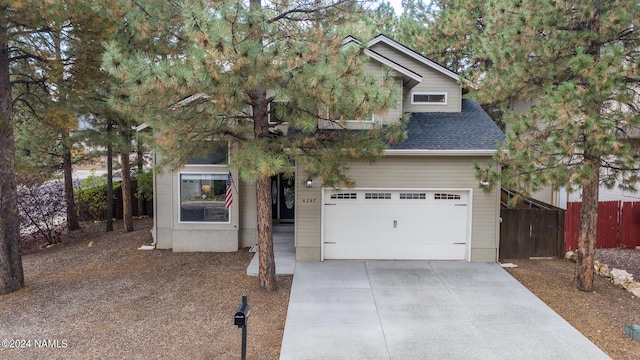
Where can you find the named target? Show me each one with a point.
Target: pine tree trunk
(266, 263)
(67, 169)
(266, 259)
(588, 229)
(127, 205)
(11, 272)
(109, 214)
(140, 164)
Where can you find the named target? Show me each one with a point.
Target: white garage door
(399, 224)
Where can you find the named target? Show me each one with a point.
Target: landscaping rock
(619, 277)
(602, 269)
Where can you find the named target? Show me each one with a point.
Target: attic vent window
(380, 196)
(429, 98)
(344, 196)
(446, 196)
(413, 196)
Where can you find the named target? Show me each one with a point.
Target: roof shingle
(470, 129)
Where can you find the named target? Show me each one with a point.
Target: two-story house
(420, 200)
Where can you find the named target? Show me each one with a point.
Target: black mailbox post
(240, 320)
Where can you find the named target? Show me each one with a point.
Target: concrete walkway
(284, 251)
(404, 310)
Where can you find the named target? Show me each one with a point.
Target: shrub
(91, 198)
(42, 210)
(145, 185)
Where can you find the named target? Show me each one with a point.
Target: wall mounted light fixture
(309, 183)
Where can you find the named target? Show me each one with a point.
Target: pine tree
(19, 67)
(576, 62)
(108, 128)
(236, 60)
(66, 59)
(45, 63)
(11, 273)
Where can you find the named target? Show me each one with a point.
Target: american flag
(229, 195)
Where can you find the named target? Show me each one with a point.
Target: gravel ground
(625, 259)
(94, 296)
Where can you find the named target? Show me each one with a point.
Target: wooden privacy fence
(618, 225)
(526, 233)
(530, 228)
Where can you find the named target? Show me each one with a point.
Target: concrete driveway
(422, 310)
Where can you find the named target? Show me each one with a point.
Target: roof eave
(427, 152)
(394, 44)
(395, 66)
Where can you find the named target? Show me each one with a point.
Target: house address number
(309, 201)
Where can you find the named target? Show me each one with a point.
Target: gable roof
(412, 78)
(469, 130)
(413, 54)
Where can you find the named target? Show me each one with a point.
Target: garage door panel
(384, 252)
(355, 237)
(358, 223)
(415, 237)
(427, 225)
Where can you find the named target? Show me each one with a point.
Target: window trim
(444, 196)
(269, 112)
(413, 102)
(180, 221)
(378, 195)
(413, 195)
(369, 121)
(366, 121)
(344, 196)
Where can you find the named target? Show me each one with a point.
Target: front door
(282, 197)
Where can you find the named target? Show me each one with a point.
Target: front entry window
(202, 198)
(289, 193)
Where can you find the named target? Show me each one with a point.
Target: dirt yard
(94, 296)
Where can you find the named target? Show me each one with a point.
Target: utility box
(633, 332)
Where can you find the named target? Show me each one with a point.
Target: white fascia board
(403, 49)
(395, 66)
(350, 39)
(141, 127)
(419, 152)
(190, 99)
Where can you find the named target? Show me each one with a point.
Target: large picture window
(202, 198)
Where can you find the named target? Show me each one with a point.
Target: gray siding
(408, 172)
(163, 215)
(248, 215)
(432, 81)
(308, 218)
(386, 117)
(172, 234)
(391, 115)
